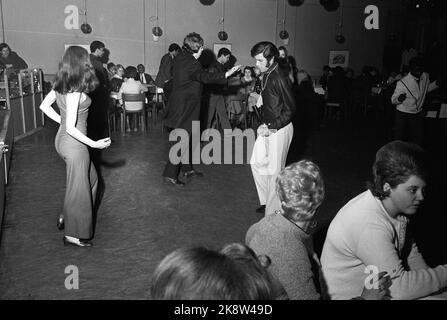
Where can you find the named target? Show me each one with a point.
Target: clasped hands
(264, 131)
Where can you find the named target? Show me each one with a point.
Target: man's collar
(272, 67)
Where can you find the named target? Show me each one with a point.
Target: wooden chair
(432, 108)
(133, 103)
(234, 102)
(156, 102)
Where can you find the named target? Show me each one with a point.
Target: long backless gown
(82, 179)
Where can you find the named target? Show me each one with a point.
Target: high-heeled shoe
(60, 223)
(80, 243)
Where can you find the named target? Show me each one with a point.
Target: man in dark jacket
(164, 75)
(216, 114)
(97, 116)
(276, 131)
(184, 104)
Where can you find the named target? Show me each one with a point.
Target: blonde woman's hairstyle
(300, 188)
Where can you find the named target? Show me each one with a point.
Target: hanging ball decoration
(86, 28)
(222, 35)
(283, 34)
(296, 3)
(340, 38)
(156, 31)
(330, 5)
(207, 2)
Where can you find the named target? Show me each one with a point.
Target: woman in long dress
(74, 79)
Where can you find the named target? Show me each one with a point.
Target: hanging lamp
(222, 35)
(340, 38)
(86, 27)
(283, 34)
(157, 32)
(207, 2)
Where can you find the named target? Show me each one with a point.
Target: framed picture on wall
(218, 46)
(338, 58)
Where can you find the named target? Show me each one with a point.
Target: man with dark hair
(145, 78)
(409, 97)
(184, 104)
(97, 121)
(276, 130)
(97, 117)
(164, 75)
(216, 113)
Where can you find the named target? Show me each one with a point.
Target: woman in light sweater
(369, 234)
(286, 236)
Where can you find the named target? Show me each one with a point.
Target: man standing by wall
(164, 75)
(276, 131)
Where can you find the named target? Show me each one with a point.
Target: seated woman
(370, 234)
(237, 103)
(10, 59)
(117, 79)
(132, 83)
(234, 273)
(285, 237)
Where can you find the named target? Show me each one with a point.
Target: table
(441, 296)
(442, 113)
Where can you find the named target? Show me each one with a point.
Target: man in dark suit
(184, 104)
(164, 75)
(97, 117)
(145, 78)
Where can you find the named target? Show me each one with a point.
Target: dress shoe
(173, 182)
(60, 223)
(192, 173)
(80, 243)
(261, 209)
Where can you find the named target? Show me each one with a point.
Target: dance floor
(140, 219)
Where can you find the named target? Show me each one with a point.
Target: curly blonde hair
(300, 188)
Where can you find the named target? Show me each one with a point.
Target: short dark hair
(267, 49)
(283, 49)
(131, 72)
(174, 47)
(4, 45)
(223, 52)
(96, 45)
(192, 42)
(75, 73)
(416, 62)
(395, 163)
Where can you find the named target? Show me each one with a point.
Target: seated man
(10, 59)
(369, 234)
(145, 78)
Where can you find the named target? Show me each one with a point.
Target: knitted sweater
(362, 234)
(285, 244)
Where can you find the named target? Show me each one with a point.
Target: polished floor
(140, 219)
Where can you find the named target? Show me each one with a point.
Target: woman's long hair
(76, 73)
